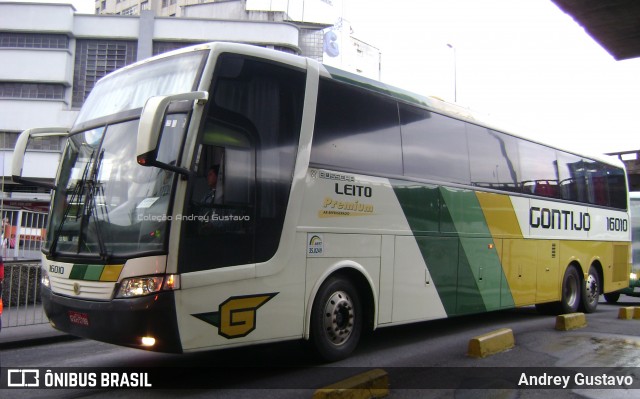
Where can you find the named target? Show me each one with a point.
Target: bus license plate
(81, 319)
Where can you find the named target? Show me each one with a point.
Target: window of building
(130, 11)
(33, 40)
(45, 144)
(8, 142)
(36, 91)
(95, 59)
(164, 47)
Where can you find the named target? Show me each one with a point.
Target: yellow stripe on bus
(500, 215)
(111, 272)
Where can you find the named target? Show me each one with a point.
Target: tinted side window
(539, 169)
(606, 185)
(434, 146)
(572, 177)
(494, 159)
(617, 187)
(244, 165)
(356, 129)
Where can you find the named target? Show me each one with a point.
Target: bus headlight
(44, 279)
(140, 286)
(633, 276)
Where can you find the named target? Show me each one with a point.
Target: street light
(455, 73)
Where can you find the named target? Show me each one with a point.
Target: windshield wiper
(91, 206)
(77, 193)
(86, 188)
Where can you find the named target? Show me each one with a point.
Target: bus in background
(225, 195)
(634, 282)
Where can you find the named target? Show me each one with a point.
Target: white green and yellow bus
(341, 205)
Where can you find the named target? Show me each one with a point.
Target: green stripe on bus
(456, 244)
(77, 272)
(480, 262)
(93, 272)
(86, 272)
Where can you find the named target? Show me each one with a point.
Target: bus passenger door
(219, 229)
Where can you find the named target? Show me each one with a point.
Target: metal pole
(16, 247)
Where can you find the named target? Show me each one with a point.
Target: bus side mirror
(17, 162)
(151, 125)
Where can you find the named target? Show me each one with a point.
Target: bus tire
(570, 300)
(612, 297)
(591, 291)
(336, 319)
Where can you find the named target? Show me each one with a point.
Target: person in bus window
(212, 181)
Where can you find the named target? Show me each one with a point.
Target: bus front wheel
(336, 319)
(571, 291)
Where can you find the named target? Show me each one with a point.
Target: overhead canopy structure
(614, 24)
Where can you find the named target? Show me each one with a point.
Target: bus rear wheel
(571, 291)
(591, 291)
(336, 319)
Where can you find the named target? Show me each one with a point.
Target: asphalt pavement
(11, 337)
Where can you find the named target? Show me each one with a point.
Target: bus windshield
(131, 88)
(107, 205)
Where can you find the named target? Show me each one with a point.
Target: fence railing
(21, 295)
(22, 234)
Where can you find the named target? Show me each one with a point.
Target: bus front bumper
(122, 322)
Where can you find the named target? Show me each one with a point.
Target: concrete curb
(491, 343)
(570, 321)
(626, 313)
(370, 384)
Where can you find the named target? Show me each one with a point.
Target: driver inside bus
(212, 181)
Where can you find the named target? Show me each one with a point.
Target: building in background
(52, 57)
(324, 35)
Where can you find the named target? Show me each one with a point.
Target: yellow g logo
(236, 317)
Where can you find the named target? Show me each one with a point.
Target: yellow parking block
(626, 313)
(636, 312)
(570, 321)
(491, 343)
(368, 385)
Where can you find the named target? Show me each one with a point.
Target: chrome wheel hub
(338, 317)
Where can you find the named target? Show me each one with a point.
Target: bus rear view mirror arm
(151, 125)
(20, 150)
